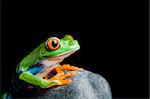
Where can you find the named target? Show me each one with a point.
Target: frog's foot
(60, 69)
(61, 78)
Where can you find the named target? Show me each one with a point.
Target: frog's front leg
(61, 77)
(69, 67)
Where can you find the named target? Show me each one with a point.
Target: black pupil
(54, 43)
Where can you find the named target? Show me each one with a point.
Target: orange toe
(63, 82)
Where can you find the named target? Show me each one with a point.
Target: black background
(113, 39)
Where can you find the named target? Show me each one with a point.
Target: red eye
(53, 43)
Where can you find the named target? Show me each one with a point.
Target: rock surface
(85, 85)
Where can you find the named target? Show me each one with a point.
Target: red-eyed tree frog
(48, 56)
(34, 68)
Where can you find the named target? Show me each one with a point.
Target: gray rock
(85, 85)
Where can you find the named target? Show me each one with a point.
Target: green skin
(67, 44)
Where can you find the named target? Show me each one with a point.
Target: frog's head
(59, 48)
(50, 52)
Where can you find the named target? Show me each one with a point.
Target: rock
(85, 85)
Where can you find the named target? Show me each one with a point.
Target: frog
(35, 67)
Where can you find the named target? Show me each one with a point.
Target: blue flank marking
(36, 69)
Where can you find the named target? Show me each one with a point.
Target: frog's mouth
(50, 63)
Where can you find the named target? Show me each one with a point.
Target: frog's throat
(51, 61)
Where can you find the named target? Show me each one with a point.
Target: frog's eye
(53, 43)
